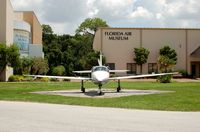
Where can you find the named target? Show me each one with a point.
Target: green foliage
(170, 53)
(141, 56)
(165, 79)
(165, 64)
(9, 56)
(13, 55)
(59, 70)
(72, 52)
(26, 63)
(44, 79)
(15, 78)
(90, 26)
(3, 56)
(184, 73)
(46, 29)
(40, 66)
(167, 60)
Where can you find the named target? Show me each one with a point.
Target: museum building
(117, 45)
(21, 28)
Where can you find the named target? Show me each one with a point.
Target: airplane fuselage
(100, 75)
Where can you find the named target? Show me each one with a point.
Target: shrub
(54, 80)
(42, 79)
(165, 79)
(184, 73)
(59, 70)
(40, 66)
(15, 78)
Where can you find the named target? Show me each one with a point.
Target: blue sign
(21, 38)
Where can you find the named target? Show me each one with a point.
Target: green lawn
(185, 98)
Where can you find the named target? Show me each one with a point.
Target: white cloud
(141, 12)
(65, 15)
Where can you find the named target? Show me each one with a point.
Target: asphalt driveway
(36, 117)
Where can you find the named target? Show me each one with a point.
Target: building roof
(150, 28)
(196, 53)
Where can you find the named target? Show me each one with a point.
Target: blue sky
(64, 16)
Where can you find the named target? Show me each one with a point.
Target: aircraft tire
(83, 90)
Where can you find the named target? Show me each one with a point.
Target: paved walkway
(35, 117)
(106, 93)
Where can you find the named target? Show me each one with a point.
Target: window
(100, 68)
(132, 67)
(111, 66)
(152, 67)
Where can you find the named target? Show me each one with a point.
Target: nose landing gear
(99, 90)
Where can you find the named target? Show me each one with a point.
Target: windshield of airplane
(100, 68)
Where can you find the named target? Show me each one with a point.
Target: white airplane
(100, 75)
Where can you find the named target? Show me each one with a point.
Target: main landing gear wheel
(83, 90)
(82, 87)
(118, 89)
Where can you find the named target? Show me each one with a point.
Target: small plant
(54, 80)
(164, 79)
(59, 70)
(44, 79)
(184, 73)
(15, 78)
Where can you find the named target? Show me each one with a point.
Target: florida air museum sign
(118, 35)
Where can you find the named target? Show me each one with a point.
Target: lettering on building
(118, 35)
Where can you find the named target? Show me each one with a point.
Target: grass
(185, 98)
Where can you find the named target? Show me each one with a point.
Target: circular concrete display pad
(107, 93)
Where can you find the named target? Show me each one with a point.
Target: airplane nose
(100, 76)
(100, 79)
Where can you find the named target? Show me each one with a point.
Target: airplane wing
(86, 71)
(60, 77)
(114, 71)
(140, 76)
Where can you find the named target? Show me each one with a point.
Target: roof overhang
(196, 53)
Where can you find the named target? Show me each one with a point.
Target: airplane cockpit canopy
(100, 68)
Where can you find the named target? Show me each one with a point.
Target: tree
(170, 53)
(59, 70)
(141, 56)
(26, 63)
(9, 56)
(46, 29)
(90, 26)
(40, 66)
(166, 61)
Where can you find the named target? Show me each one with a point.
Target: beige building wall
(36, 29)
(155, 39)
(120, 52)
(6, 32)
(193, 44)
(6, 22)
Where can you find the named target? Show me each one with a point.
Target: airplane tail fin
(100, 61)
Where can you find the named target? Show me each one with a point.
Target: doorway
(195, 69)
